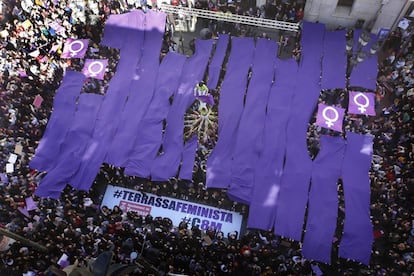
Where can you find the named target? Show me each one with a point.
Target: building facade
(373, 15)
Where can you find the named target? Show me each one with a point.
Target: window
(345, 3)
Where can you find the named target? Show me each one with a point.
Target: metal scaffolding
(229, 17)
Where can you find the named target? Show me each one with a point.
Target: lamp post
(354, 60)
(349, 46)
(359, 55)
(374, 48)
(363, 40)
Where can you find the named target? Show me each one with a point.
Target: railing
(229, 17)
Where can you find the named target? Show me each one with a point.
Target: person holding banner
(201, 89)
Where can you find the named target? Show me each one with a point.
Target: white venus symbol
(330, 121)
(361, 107)
(72, 51)
(95, 64)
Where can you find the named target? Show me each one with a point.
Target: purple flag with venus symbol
(361, 103)
(330, 117)
(75, 48)
(95, 68)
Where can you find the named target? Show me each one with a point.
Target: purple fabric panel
(157, 22)
(365, 73)
(188, 157)
(291, 205)
(149, 137)
(357, 238)
(334, 60)
(323, 200)
(248, 142)
(116, 26)
(217, 61)
(307, 80)
(64, 106)
(310, 63)
(269, 167)
(230, 110)
(166, 165)
(112, 105)
(146, 148)
(312, 37)
(73, 146)
(234, 85)
(141, 92)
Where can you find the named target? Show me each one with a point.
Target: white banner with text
(195, 214)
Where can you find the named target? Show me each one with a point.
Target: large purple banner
(268, 171)
(216, 63)
(117, 28)
(298, 164)
(248, 146)
(323, 200)
(141, 90)
(357, 238)
(334, 60)
(114, 100)
(149, 136)
(261, 155)
(188, 158)
(166, 165)
(64, 106)
(74, 145)
(230, 109)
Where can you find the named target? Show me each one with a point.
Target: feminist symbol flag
(95, 68)
(361, 103)
(330, 117)
(75, 48)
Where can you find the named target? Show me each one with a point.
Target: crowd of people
(287, 11)
(76, 225)
(392, 174)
